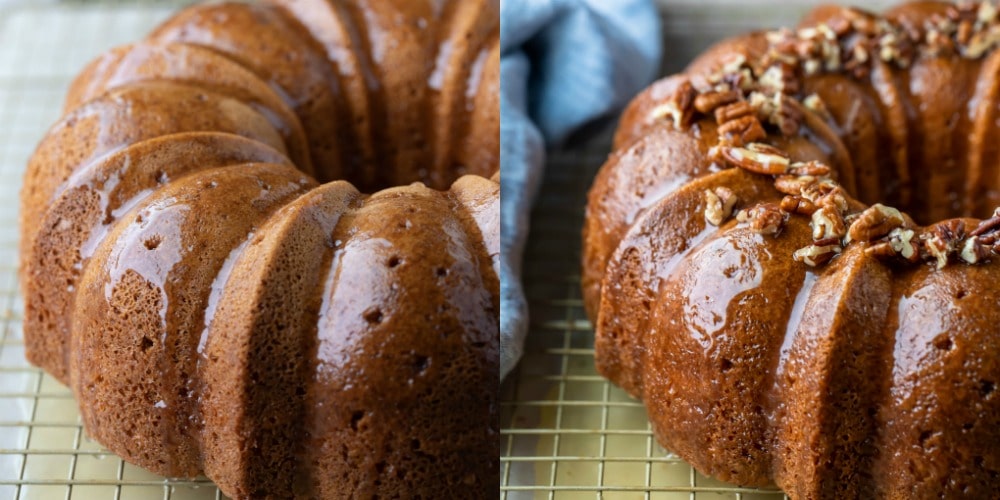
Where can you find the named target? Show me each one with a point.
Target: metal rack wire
(44, 453)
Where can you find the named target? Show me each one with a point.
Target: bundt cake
(199, 267)
(791, 256)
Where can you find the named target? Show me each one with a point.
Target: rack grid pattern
(44, 453)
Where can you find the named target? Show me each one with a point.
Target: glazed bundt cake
(200, 266)
(791, 256)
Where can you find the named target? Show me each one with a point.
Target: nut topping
(719, 205)
(875, 222)
(813, 168)
(797, 205)
(987, 226)
(794, 184)
(814, 255)
(901, 241)
(757, 158)
(827, 223)
(733, 111)
(707, 102)
(742, 130)
(941, 240)
(764, 218)
(679, 107)
(974, 251)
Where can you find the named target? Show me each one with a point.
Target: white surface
(43, 452)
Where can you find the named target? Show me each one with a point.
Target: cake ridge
(347, 53)
(190, 150)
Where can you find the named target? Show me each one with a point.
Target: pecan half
(875, 222)
(812, 167)
(795, 204)
(742, 131)
(757, 158)
(794, 184)
(733, 111)
(987, 226)
(828, 223)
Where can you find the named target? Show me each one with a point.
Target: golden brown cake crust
(751, 281)
(217, 310)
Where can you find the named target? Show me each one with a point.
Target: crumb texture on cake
(791, 255)
(262, 245)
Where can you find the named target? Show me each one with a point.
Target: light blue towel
(563, 64)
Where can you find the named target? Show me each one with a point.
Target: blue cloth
(563, 63)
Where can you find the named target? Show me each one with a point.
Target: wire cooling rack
(44, 453)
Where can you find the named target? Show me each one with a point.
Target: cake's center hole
(929, 199)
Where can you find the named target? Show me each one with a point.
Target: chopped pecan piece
(719, 205)
(787, 116)
(834, 199)
(780, 78)
(821, 189)
(974, 251)
(680, 106)
(901, 241)
(828, 223)
(941, 240)
(981, 42)
(764, 218)
(815, 255)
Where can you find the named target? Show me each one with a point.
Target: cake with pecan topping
(791, 256)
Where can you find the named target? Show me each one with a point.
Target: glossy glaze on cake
(750, 281)
(202, 266)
